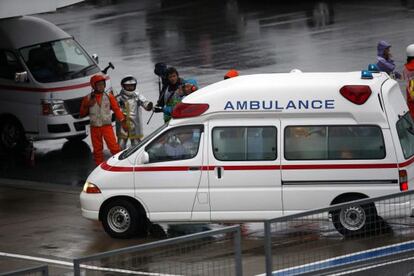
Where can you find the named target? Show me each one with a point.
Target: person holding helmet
(187, 87)
(130, 102)
(98, 105)
(385, 62)
(408, 75)
(231, 74)
(174, 83)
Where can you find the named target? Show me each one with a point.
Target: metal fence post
(268, 248)
(76, 267)
(45, 271)
(237, 251)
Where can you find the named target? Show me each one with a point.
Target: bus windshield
(58, 60)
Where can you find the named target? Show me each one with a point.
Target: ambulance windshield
(405, 129)
(133, 149)
(58, 61)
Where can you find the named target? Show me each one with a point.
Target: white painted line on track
(64, 263)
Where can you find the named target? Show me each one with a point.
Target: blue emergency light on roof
(365, 74)
(373, 68)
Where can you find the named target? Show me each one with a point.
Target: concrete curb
(39, 186)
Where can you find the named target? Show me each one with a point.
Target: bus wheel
(12, 136)
(355, 220)
(121, 219)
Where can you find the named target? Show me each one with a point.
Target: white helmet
(129, 80)
(410, 50)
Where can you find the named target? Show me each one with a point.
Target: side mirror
(144, 158)
(21, 77)
(96, 58)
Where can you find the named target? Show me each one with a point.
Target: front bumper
(65, 126)
(90, 205)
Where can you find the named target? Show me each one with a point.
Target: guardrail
(214, 252)
(329, 238)
(38, 270)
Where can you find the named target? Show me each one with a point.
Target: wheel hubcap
(119, 219)
(353, 218)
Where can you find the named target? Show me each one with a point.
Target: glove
(158, 109)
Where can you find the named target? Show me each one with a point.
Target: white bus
(44, 73)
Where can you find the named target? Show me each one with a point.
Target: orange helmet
(96, 78)
(231, 74)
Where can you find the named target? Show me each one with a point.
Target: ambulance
(261, 146)
(44, 73)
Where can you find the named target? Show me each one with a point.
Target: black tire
(355, 220)
(121, 219)
(12, 135)
(157, 232)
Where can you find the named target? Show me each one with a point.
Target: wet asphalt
(202, 39)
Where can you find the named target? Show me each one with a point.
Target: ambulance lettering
(279, 106)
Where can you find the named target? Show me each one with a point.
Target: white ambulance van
(261, 146)
(44, 73)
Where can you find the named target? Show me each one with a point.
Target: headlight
(53, 107)
(90, 188)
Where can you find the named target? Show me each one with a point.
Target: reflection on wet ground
(203, 39)
(69, 163)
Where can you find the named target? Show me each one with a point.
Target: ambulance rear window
(405, 130)
(334, 142)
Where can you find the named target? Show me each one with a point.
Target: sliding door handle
(194, 168)
(219, 172)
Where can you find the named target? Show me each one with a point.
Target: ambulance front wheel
(355, 220)
(122, 219)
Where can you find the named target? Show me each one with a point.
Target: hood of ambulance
(228, 96)
(112, 165)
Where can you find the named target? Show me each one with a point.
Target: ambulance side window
(244, 143)
(334, 142)
(175, 144)
(9, 65)
(405, 130)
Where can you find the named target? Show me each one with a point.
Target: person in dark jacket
(174, 83)
(385, 62)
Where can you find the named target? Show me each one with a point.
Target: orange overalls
(408, 75)
(99, 111)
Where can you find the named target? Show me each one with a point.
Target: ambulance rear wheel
(355, 220)
(121, 219)
(12, 136)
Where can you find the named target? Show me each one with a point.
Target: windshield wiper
(83, 70)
